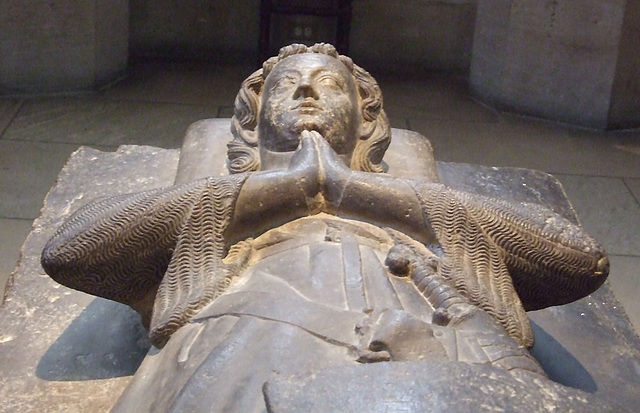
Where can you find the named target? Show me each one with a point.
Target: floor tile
(527, 143)
(463, 111)
(608, 153)
(422, 92)
(634, 187)
(607, 210)
(91, 121)
(625, 283)
(201, 83)
(13, 232)
(479, 143)
(443, 98)
(635, 149)
(8, 109)
(28, 170)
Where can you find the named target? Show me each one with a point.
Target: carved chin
(309, 124)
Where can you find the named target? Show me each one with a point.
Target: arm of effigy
(469, 260)
(317, 180)
(376, 198)
(510, 257)
(552, 261)
(120, 247)
(506, 258)
(272, 198)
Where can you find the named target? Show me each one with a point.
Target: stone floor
(156, 103)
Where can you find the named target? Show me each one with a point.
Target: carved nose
(304, 90)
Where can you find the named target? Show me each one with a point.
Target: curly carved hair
(367, 156)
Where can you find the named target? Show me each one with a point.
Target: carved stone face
(309, 92)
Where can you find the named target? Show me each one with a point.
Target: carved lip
(307, 104)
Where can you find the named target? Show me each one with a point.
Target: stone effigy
(324, 249)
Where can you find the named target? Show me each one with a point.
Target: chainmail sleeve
(552, 261)
(471, 262)
(501, 255)
(200, 268)
(121, 248)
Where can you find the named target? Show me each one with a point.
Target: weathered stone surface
(62, 350)
(423, 387)
(47, 330)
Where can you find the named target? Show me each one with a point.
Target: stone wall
(624, 111)
(558, 59)
(412, 35)
(68, 46)
(60, 46)
(210, 29)
(573, 61)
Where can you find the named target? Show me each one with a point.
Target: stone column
(61, 46)
(624, 111)
(566, 60)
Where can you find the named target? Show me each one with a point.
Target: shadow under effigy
(559, 364)
(105, 341)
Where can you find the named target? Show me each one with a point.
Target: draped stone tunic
(318, 291)
(317, 294)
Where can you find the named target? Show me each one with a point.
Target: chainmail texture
(199, 270)
(500, 254)
(122, 247)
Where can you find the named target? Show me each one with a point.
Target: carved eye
(285, 82)
(330, 81)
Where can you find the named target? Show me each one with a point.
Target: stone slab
(62, 350)
(443, 388)
(57, 345)
(12, 237)
(29, 170)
